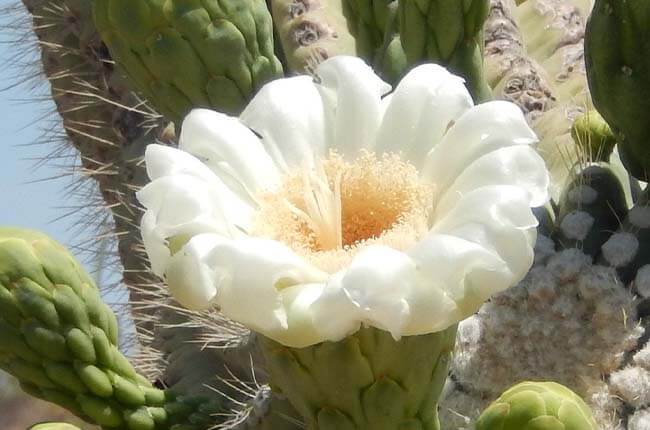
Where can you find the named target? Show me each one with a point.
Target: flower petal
(519, 166)
(379, 282)
(426, 101)
(155, 243)
(482, 129)
(184, 199)
(498, 218)
(251, 274)
(456, 277)
(288, 115)
(185, 204)
(317, 313)
(190, 278)
(351, 94)
(165, 161)
(230, 149)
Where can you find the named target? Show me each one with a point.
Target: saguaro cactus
(123, 71)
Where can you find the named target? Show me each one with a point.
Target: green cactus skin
(368, 21)
(311, 31)
(448, 33)
(105, 123)
(617, 41)
(592, 134)
(367, 381)
(374, 25)
(537, 406)
(184, 54)
(60, 340)
(591, 208)
(534, 58)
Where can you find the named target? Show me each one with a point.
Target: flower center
(329, 212)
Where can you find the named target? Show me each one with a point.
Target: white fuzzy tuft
(620, 249)
(632, 384)
(576, 225)
(583, 195)
(568, 321)
(639, 216)
(642, 358)
(642, 281)
(640, 420)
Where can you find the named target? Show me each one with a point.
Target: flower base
(367, 381)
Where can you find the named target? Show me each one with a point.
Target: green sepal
(367, 379)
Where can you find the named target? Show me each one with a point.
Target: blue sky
(26, 203)
(29, 198)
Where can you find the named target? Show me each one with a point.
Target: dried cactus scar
(332, 203)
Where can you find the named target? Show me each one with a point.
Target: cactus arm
(512, 74)
(181, 55)
(60, 340)
(103, 121)
(311, 31)
(619, 78)
(447, 33)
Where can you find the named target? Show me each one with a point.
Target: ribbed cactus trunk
(104, 121)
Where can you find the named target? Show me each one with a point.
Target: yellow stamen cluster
(331, 211)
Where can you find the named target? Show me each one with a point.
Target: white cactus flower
(332, 203)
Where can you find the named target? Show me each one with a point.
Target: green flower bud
(537, 406)
(592, 134)
(59, 339)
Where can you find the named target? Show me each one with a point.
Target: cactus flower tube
(333, 204)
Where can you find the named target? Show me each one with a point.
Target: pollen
(329, 212)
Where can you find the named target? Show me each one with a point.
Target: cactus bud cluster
(60, 340)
